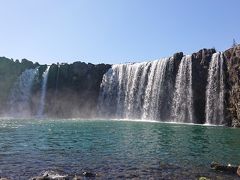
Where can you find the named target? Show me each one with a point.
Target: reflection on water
(115, 149)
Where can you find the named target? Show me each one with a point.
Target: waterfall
(58, 69)
(118, 90)
(215, 91)
(183, 97)
(135, 91)
(154, 90)
(20, 95)
(150, 90)
(43, 92)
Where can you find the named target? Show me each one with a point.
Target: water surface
(115, 149)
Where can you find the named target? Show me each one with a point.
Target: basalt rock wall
(232, 56)
(200, 66)
(73, 89)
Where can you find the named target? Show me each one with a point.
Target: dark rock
(232, 56)
(200, 65)
(228, 169)
(238, 171)
(9, 72)
(89, 174)
(72, 90)
(176, 61)
(51, 175)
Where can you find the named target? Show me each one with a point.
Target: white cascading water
(20, 95)
(183, 97)
(119, 87)
(40, 112)
(154, 90)
(134, 91)
(215, 91)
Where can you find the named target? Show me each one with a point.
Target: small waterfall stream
(154, 90)
(40, 112)
(183, 97)
(20, 95)
(215, 91)
(58, 69)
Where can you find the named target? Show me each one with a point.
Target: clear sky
(114, 31)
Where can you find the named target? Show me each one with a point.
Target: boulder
(229, 168)
(238, 171)
(51, 175)
(89, 174)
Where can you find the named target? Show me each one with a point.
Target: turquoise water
(115, 149)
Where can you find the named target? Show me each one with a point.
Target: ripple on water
(115, 149)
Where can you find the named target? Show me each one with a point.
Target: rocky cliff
(232, 56)
(200, 65)
(10, 70)
(73, 89)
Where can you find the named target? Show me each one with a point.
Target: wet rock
(89, 174)
(200, 65)
(224, 168)
(1, 178)
(238, 171)
(203, 178)
(73, 89)
(77, 177)
(232, 56)
(51, 175)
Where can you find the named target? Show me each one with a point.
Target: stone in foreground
(229, 168)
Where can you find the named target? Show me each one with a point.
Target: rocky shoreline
(55, 175)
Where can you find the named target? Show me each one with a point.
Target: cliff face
(233, 85)
(73, 89)
(9, 71)
(231, 75)
(200, 66)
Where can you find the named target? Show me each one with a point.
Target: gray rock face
(73, 90)
(200, 65)
(232, 56)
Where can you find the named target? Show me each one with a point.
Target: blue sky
(114, 31)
